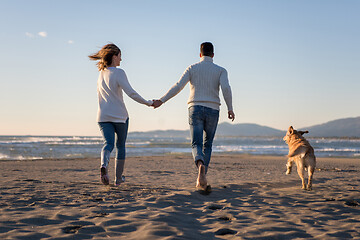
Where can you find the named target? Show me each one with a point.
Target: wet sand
(251, 198)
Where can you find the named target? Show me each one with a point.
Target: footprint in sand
(72, 229)
(225, 231)
(205, 191)
(225, 218)
(352, 203)
(215, 207)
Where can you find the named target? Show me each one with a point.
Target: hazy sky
(289, 62)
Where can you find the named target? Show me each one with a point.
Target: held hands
(156, 103)
(231, 115)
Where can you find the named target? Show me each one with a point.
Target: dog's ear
(303, 132)
(291, 130)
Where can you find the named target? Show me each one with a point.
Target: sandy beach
(251, 198)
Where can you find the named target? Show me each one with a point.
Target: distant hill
(223, 129)
(347, 127)
(247, 129)
(162, 133)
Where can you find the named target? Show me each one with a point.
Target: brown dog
(300, 152)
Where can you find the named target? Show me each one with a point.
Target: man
(205, 79)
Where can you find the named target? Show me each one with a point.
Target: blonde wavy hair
(104, 56)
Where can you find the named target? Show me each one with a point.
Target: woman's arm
(125, 85)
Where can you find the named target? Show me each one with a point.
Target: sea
(78, 147)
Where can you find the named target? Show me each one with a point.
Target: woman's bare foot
(201, 181)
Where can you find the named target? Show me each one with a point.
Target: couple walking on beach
(206, 79)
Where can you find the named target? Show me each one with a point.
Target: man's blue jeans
(203, 122)
(109, 130)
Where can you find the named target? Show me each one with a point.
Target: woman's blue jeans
(109, 130)
(203, 122)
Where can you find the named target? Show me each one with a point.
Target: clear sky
(289, 62)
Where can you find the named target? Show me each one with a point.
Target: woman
(112, 115)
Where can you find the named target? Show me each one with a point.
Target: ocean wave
(75, 143)
(39, 139)
(20, 157)
(4, 156)
(132, 143)
(337, 150)
(29, 140)
(333, 140)
(247, 147)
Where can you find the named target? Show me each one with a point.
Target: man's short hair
(207, 49)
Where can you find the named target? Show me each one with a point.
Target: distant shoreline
(77, 147)
(188, 155)
(139, 133)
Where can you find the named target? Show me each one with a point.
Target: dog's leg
(300, 170)
(289, 166)
(310, 173)
(311, 169)
(309, 163)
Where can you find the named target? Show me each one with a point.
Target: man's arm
(226, 91)
(231, 115)
(174, 90)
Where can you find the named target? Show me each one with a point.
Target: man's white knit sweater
(205, 79)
